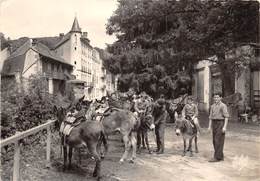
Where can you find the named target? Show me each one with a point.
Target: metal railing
(17, 148)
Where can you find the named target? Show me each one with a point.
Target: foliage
(176, 34)
(13, 44)
(25, 105)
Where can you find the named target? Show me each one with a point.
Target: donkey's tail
(104, 140)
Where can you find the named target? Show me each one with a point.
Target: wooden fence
(16, 140)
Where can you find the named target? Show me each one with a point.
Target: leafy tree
(173, 35)
(228, 25)
(3, 41)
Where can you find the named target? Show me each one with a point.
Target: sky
(39, 18)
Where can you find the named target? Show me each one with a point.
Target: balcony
(54, 75)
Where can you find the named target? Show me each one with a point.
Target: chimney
(31, 42)
(85, 34)
(61, 35)
(34, 42)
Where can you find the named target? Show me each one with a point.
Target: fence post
(48, 146)
(16, 170)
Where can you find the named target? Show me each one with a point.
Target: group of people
(144, 105)
(218, 119)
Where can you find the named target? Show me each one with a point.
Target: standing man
(160, 116)
(218, 120)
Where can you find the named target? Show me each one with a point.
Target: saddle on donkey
(72, 120)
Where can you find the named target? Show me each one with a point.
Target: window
(75, 48)
(256, 88)
(76, 39)
(75, 62)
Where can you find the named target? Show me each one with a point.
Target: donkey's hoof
(183, 154)
(191, 154)
(94, 174)
(196, 151)
(131, 161)
(102, 156)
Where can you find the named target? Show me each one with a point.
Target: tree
(226, 26)
(174, 35)
(3, 41)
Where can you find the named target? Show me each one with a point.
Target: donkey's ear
(55, 109)
(176, 116)
(81, 99)
(69, 106)
(99, 101)
(63, 110)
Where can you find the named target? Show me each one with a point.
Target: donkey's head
(148, 122)
(179, 123)
(91, 111)
(77, 105)
(60, 113)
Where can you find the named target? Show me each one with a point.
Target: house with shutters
(207, 81)
(32, 58)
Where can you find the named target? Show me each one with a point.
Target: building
(207, 81)
(33, 58)
(108, 80)
(4, 54)
(75, 48)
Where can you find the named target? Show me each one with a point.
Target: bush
(26, 105)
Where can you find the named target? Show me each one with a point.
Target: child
(191, 110)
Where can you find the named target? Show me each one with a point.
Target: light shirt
(190, 110)
(218, 111)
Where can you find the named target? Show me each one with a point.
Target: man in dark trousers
(218, 120)
(160, 116)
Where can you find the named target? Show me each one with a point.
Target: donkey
(119, 120)
(188, 130)
(127, 124)
(88, 133)
(146, 124)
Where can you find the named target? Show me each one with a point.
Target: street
(242, 152)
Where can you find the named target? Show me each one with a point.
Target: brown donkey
(123, 121)
(127, 124)
(118, 120)
(188, 130)
(87, 133)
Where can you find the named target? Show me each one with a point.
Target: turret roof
(75, 27)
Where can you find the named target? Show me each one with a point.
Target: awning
(69, 76)
(76, 81)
